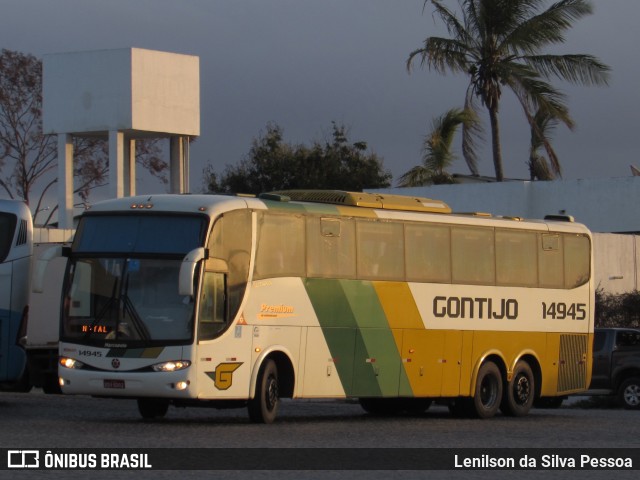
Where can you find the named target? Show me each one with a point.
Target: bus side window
(550, 264)
(516, 258)
(280, 251)
(380, 250)
(473, 255)
(576, 260)
(428, 253)
(331, 247)
(212, 305)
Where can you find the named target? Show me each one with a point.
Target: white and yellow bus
(229, 301)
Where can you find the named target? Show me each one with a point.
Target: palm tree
(437, 153)
(499, 43)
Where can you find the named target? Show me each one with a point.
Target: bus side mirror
(40, 267)
(187, 270)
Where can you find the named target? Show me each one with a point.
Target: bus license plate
(113, 383)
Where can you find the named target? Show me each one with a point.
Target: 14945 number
(560, 311)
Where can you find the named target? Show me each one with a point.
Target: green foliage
(617, 310)
(272, 164)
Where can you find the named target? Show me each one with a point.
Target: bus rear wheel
(488, 393)
(263, 407)
(519, 394)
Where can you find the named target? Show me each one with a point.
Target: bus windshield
(122, 281)
(132, 300)
(7, 228)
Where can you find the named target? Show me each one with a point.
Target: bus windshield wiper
(128, 307)
(107, 307)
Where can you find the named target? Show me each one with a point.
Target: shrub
(617, 310)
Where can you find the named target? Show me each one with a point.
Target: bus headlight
(70, 363)
(171, 366)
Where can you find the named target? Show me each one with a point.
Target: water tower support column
(65, 181)
(122, 173)
(179, 164)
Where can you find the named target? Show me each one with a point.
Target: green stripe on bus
(337, 323)
(355, 326)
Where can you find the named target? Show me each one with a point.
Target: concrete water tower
(122, 95)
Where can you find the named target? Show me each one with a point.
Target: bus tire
(151, 408)
(629, 393)
(488, 392)
(519, 392)
(263, 407)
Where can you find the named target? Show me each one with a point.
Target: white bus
(16, 231)
(228, 301)
(29, 325)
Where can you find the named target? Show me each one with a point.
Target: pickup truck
(616, 365)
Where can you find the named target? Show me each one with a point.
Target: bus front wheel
(263, 407)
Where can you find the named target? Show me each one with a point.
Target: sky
(305, 63)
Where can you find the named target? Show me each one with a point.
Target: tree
(23, 149)
(272, 164)
(437, 152)
(28, 159)
(500, 43)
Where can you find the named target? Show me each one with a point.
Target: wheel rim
(521, 390)
(488, 391)
(271, 398)
(632, 395)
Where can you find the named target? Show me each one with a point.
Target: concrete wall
(616, 262)
(604, 205)
(121, 90)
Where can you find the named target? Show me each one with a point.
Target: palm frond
(542, 124)
(577, 69)
(542, 128)
(454, 26)
(441, 54)
(472, 133)
(537, 94)
(539, 168)
(418, 176)
(547, 27)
